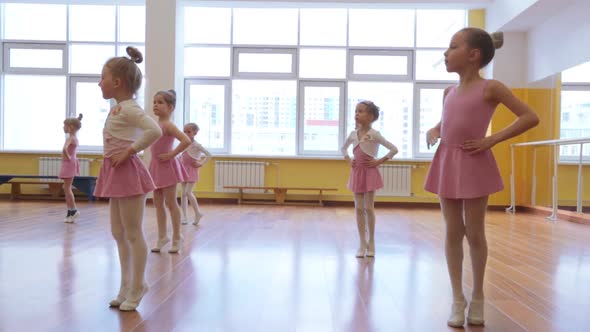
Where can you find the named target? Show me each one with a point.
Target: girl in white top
(123, 177)
(193, 158)
(365, 178)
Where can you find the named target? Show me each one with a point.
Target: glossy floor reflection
(261, 268)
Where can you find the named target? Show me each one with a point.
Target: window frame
(70, 78)
(334, 48)
(72, 99)
(204, 46)
(416, 120)
(572, 86)
(226, 112)
(296, 88)
(8, 46)
(408, 54)
(235, 57)
(430, 80)
(65, 104)
(302, 84)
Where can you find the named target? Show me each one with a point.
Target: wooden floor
(261, 268)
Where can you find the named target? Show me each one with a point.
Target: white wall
(501, 12)
(510, 63)
(160, 43)
(549, 82)
(160, 58)
(557, 43)
(560, 42)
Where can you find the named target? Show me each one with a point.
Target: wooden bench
(280, 194)
(85, 184)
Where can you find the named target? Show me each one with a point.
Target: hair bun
(497, 39)
(80, 116)
(134, 54)
(172, 92)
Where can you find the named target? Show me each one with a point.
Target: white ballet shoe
(74, 216)
(71, 219)
(161, 243)
(175, 247)
(183, 221)
(475, 313)
(457, 317)
(361, 252)
(117, 301)
(133, 301)
(198, 217)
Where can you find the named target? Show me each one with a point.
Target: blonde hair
(74, 122)
(169, 97)
(193, 126)
(485, 42)
(125, 68)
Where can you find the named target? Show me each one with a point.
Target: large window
(285, 81)
(52, 56)
(575, 110)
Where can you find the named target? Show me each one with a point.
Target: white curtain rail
(555, 144)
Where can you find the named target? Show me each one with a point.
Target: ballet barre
(555, 145)
(280, 194)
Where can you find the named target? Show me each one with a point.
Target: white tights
(365, 216)
(166, 197)
(188, 195)
(126, 227)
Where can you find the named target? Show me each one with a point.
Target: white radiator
(239, 173)
(51, 166)
(397, 180)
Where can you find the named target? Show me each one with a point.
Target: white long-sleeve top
(195, 150)
(127, 121)
(369, 143)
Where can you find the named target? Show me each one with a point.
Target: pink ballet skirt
(165, 173)
(454, 172)
(70, 168)
(363, 179)
(192, 172)
(129, 178)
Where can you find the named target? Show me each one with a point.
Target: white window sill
(225, 156)
(311, 157)
(93, 153)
